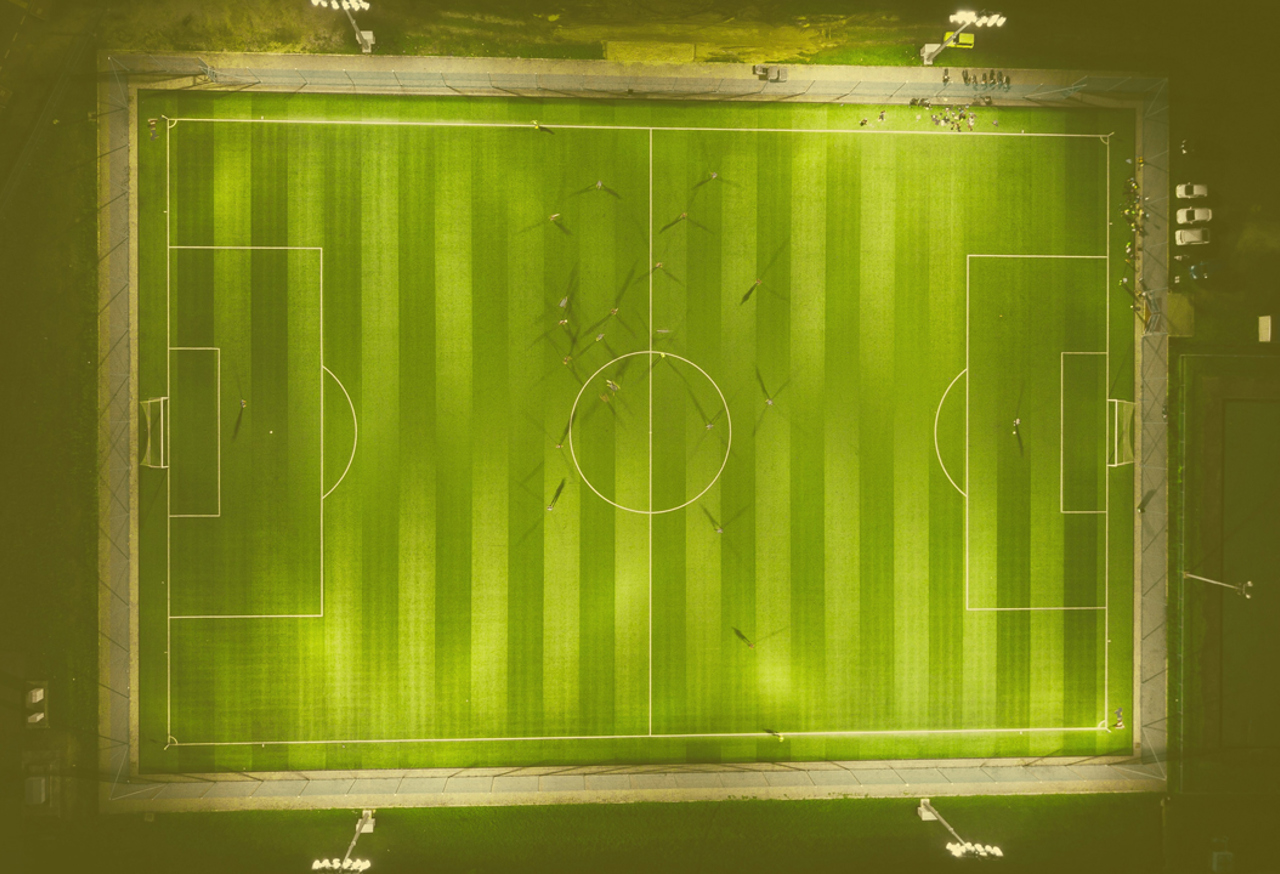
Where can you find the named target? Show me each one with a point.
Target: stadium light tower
(963, 18)
(346, 863)
(364, 37)
(1239, 588)
(960, 847)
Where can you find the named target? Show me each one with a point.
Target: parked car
(1193, 214)
(1190, 191)
(1191, 236)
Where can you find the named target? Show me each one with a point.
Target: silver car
(1193, 214)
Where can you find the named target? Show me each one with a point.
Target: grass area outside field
(1037, 834)
(1223, 709)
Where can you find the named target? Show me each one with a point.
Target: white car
(1192, 214)
(1191, 236)
(1189, 191)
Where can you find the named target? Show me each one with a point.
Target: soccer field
(633, 438)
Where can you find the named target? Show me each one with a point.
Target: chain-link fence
(117, 424)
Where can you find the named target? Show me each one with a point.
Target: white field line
(372, 122)
(936, 415)
(168, 480)
(167, 582)
(355, 441)
(1106, 586)
(967, 606)
(1062, 437)
(650, 467)
(1106, 476)
(676, 736)
(173, 122)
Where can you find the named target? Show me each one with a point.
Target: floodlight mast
(1238, 588)
(961, 847)
(964, 18)
(363, 37)
(365, 824)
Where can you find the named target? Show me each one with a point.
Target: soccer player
(712, 178)
(750, 291)
(775, 734)
(674, 222)
(539, 127)
(556, 496)
(1016, 423)
(742, 637)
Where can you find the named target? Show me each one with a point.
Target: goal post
(1120, 424)
(154, 433)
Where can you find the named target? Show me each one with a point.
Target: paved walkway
(478, 787)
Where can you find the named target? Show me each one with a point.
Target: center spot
(651, 432)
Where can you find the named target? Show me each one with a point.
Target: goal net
(153, 433)
(1120, 424)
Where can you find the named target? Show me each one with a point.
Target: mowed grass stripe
(562, 529)
(946, 355)
(455, 395)
(380, 420)
(710, 640)
(533, 459)
(344, 509)
(676, 698)
(491, 426)
(740, 255)
(913, 305)
(772, 430)
(600, 248)
(305, 205)
(841, 434)
(806, 402)
(232, 207)
(874, 682)
(418, 474)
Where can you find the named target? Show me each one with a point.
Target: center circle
(703, 414)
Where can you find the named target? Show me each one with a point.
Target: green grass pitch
(800, 427)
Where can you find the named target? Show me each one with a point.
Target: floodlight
(363, 37)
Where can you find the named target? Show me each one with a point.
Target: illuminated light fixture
(968, 849)
(965, 18)
(363, 37)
